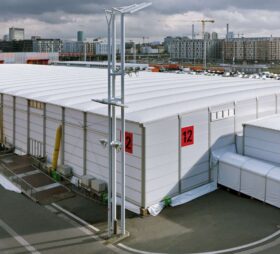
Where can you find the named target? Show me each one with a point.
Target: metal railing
(24, 186)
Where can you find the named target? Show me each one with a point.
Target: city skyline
(62, 19)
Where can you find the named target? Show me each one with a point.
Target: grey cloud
(62, 18)
(38, 7)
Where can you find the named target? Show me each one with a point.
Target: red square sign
(187, 136)
(128, 141)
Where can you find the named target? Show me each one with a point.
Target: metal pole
(85, 51)
(204, 40)
(109, 132)
(123, 122)
(114, 155)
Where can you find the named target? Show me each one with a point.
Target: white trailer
(173, 122)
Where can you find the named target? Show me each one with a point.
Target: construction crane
(203, 22)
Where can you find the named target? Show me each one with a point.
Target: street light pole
(113, 102)
(123, 122)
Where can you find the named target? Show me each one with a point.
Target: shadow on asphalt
(220, 220)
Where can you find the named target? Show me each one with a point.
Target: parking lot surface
(26, 227)
(218, 221)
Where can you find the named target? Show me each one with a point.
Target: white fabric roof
(149, 96)
(101, 64)
(270, 122)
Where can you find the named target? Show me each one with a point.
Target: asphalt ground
(218, 221)
(27, 227)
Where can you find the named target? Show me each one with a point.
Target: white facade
(101, 48)
(16, 34)
(175, 121)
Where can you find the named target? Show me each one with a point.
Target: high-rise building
(16, 34)
(6, 37)
(214, 36)
(80, 36)
(207, 36)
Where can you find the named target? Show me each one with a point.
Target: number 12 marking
(128, 141)
(187, 136)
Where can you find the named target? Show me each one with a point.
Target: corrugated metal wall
(161, 160)
(80, 146)
(167, 157)
(21, 124)
(8, 119)
(74, 140)
(195, 152)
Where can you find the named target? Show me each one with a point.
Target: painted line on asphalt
(239, 248)
(18, 238)
(90, 234)
(73, 216)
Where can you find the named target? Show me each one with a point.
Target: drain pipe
(56, 147)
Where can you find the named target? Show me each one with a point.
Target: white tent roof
(149, 96)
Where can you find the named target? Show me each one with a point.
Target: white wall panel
(161, 158)
(36, 124)
(222, 130)
(266, 105)
(8, 118)
(21, 124)
(195, 157)
(97, 156)
(74, 138)
(262, 143)
(245, 111)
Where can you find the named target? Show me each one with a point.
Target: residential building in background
(77, 47)
(16, 46)
(191, 50)
(47, 45)
(16, 34)
(37, 45)
(252, 50)
(101, 48)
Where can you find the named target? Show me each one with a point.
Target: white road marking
(18, 238)
(239, 248)
(75, 217)
(90, 234)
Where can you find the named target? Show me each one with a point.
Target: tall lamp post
(114, 102)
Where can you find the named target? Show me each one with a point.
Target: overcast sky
(63, 18)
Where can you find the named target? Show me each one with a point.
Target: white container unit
(273, 187)
(173, 122)
(230, 167)
(253, 178)
(262, 139)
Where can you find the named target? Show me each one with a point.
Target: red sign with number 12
(187, 136)
(128, 141)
